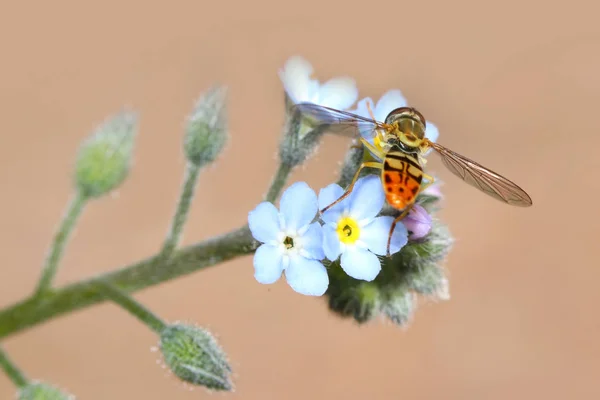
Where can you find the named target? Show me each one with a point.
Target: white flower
(339, 93)
(291, 242)
(390, 100)
(353, 231)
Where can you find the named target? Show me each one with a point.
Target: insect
(399, 145)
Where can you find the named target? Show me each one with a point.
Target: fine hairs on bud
(104, 158)
(42, 391)
(299, 140)
(206, 130)
(194, 356)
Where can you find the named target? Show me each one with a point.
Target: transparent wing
(482, 178)
(339, 122)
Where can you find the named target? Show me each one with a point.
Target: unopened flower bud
(42, 391)
(206, 130)
(399, 306)
(104, 159)
(194, 356)
(417, 222)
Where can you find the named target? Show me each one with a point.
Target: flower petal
(327, 196)
(375, 236)
(390, 100)
(338, 93)
(264, 222)
(308, 277)
(367, 198)
(418, 222)
(298, 206)
(431, 131)
(360, 263)
(312, 242)
(331, 243)
(295, 77)
(399, 238)
(268, 264)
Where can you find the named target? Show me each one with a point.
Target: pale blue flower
(291, 241)
(353, 230)
(339, 93)
(390, 100)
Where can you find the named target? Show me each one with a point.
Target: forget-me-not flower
(353, 230)
(390, 100)
(291, 241)
(338, 93)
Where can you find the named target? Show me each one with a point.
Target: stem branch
(11, 370)
(60, 240)
(279, 180)
(183, 206)
(143, 274)
(135, 308)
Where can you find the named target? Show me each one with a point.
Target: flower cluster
(341, 252)
(297, 242)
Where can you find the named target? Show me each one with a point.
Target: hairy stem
(183, 206)
(140, 275)
(60, 240)
(11, 370)
(279, 180)
(129, 304)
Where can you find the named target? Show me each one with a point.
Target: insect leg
(430, 181)
(369, 164)
(398, 218)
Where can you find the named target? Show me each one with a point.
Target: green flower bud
(300, 139)
(42, 391)
(399, 306)
(104, 159)
(206, 131)
(194, 356)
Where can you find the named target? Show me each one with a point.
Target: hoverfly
(399, 148)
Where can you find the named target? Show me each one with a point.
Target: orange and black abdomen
(401, 177)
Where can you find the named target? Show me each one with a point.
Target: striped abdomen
(401, 177)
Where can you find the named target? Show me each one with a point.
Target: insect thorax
(409, 128)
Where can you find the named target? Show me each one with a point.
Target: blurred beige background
(514, 85)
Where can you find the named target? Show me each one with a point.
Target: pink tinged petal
(390, 100)
(327, 196)
(298, 206)
(308, 277)
(360, 263)
(434, 190)
(295, 77)
(312, 242)
(367, 198)
(338, 93)
(264, 222)
(268, 264)
(331, 243)
(418, 222)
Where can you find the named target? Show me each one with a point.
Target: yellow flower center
(348, 230)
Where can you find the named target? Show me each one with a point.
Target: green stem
(11, 370)
(128, 303)
(60, 240)
(143, 274)
(183, 206)
(279, 180)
